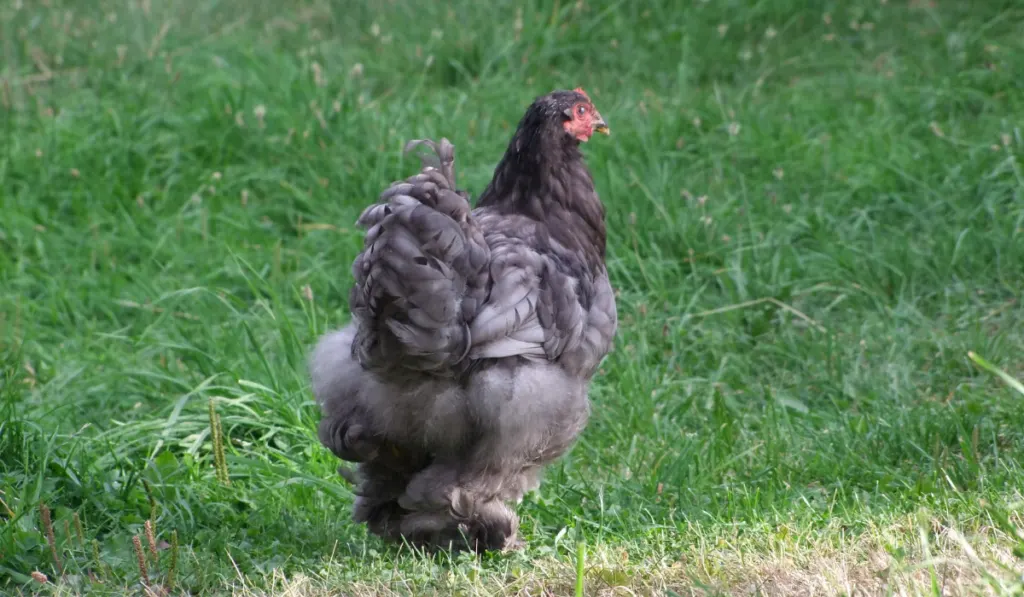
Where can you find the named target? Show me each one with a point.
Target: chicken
(474, 336)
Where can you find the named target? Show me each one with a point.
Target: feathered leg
(376, 502)
(443, 516)
(527, 416)
(450, 500)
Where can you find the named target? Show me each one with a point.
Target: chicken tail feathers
(443, 158)
(421, 274)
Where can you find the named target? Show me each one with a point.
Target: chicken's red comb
(580, 91)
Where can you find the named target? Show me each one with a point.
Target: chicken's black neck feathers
(543, 176)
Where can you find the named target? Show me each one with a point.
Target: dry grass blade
(51, 540)
(140, 558)
(753, 303)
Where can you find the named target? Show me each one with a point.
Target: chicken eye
(581, 110)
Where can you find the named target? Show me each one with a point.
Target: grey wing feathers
(561, 312)
(507, 325)
(533, 309)
(421, 274)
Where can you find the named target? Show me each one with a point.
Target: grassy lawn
(814, 215)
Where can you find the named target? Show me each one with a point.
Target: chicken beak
(600, 126)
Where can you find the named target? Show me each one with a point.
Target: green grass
(814, 216)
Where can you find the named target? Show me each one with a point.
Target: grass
(815, 216)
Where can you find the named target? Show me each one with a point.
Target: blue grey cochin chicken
(474, 336)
